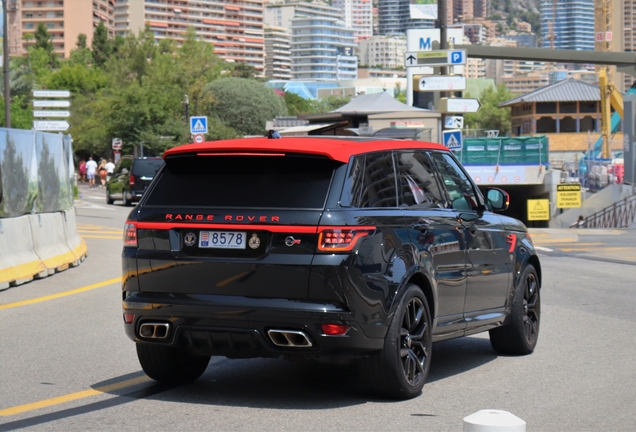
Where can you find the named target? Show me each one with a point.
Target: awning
(303, 130)
(177, 10)
(158, 24)
(234, 8)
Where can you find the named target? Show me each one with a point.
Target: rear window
(147, 167)
(244, 181)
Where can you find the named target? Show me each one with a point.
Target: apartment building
(65, 20)
(322, 49)
(629, 31)
(571, 22)
(463, 10)
(278, 64)
(395, 17)
(235, 29)
(280, 13)
(382, 51)
(358, 15)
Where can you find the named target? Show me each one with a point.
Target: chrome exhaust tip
(289, 338)
(154, 330)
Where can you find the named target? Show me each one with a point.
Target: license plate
(222, 239)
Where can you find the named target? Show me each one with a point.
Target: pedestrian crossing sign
(452, 139)
(198, 125)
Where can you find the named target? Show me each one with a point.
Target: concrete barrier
(18, 261)
(75, 243)
(49, 241)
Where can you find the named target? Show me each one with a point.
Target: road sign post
(459, 105)
(50, 125)
(198, 125)
(435, 58)
(439, 83)
(454, 122)
(452, 139)
(117, 143)
(198, 138)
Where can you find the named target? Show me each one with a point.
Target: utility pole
(5, 66)
(442, 16)
(186, 102)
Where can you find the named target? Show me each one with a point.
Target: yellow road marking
(62, 294)
(604, 249)
(119, 237)
(73, 396)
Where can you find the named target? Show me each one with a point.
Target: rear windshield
(147, 167)
(244, 181)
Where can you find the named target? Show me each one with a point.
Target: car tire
(109, 200)
(400, 370)
(170, 365)
(520, 335)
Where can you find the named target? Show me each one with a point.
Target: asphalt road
(65, 364)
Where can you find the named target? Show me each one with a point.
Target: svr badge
(189, 239)
(254, 242)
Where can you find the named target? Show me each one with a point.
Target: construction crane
(604, 37)
(551, 25)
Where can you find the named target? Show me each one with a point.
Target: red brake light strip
(240, 154)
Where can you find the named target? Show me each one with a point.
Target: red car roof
(336, 149)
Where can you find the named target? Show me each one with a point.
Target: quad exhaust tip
(289, 338)
(154, 330)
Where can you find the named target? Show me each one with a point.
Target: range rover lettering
(365, 250)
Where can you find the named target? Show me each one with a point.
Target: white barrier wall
(38, 245)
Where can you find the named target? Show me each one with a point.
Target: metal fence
(621, 214)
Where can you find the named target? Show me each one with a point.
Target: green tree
(43, 40)
(78, 78)
(332, 103)
(243, 70)
(244, 104)
(102, 47)
(490, 116)
(81, 54)
(298, 105)
(21, 112)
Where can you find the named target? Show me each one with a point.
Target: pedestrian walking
(82, 171)
(110, 168)
(102, 173)
(91, 170)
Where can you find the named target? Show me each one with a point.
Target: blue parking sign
(452, 139)
(198, 125)
(457, 57)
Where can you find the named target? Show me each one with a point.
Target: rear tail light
(334, 329)
(129, 317)
(336, 239)
(131, 180)
(130, 234)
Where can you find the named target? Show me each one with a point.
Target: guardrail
(621, 214)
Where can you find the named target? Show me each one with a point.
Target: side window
(459, 187)
(370, 182)
(418, 185)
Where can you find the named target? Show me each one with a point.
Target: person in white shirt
(91, 169)
(110, 167)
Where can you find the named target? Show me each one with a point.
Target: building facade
(358, 15)
(280, 13)
(382, 51)
(278, 65)
(394, 17)
(571, 22)
(235, 29)
(322, 48)
(65, 20)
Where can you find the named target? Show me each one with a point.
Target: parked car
(131, 178)
(366, 250)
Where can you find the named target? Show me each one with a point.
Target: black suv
(323, 248)
(131, 178)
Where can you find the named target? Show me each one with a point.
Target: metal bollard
(492, 420)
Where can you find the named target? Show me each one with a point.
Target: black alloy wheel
(400, 370)
(520, 335)
(413, 351)
(531, 309)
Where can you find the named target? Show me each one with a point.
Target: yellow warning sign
(568, 195)
(538, 209)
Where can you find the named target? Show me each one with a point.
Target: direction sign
(435, 58)
(198, 125)
(51, 93)
(52, 103)
(458, 105)
(454, 122)
(51, 113)
(50, 125)
(452, 139)
(439, 83)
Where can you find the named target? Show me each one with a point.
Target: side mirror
(498, 199)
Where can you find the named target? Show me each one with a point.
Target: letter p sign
(457, 57)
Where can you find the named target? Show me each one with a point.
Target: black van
(131, 178)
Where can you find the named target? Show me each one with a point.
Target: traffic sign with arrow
(439, 83)
(50, 125)
(459, 105)
(435, 58)
(51, 113)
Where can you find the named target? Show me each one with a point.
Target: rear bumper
(237, 327)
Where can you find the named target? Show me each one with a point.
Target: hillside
(510, 10)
